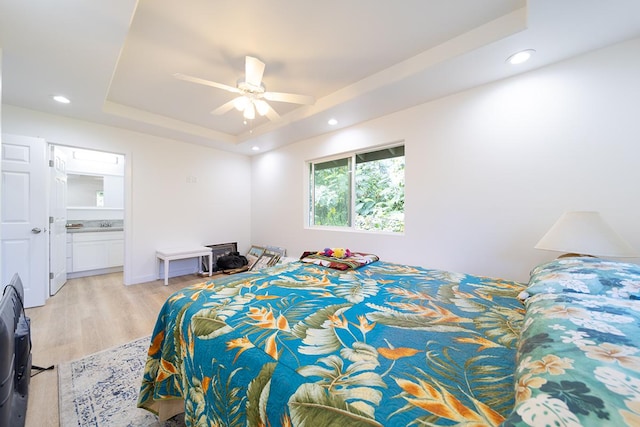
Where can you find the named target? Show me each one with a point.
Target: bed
(303, 344)
(385, 344)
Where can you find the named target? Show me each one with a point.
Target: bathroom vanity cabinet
(94, 250)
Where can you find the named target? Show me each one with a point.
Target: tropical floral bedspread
(305, 345)
(579, 354)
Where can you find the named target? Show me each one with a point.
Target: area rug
(101, 390)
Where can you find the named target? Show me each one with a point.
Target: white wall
(488, 170)
(164, 207)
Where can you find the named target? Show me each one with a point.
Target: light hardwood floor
(88, 315)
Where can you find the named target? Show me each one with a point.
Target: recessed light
(255, 148)
(332, 122)
(520, 57)
(61, 99)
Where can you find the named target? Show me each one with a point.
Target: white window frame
(309, 196)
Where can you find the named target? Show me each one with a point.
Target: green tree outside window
(377, 191)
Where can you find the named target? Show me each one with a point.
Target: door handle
(36, 230)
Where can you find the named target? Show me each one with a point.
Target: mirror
(85, 190)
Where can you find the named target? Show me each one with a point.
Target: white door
(57, 220)
(24, 216)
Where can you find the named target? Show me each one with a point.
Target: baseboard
(172, 273)
(86, 273)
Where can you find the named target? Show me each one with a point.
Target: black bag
(231, 260)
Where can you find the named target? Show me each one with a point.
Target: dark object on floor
(232, 261)
(15, 355)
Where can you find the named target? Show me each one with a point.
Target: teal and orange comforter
(304, 345)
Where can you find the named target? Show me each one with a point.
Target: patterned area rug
(101, 390)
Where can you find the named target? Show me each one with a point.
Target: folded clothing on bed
(356, 260)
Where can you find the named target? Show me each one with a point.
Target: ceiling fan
(252, 93)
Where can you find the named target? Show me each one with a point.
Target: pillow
(287, 260)
(585, 275)
(356, 260)
(577, 362)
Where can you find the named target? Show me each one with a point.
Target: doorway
(87, 213)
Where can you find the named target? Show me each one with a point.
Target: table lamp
(585, 233)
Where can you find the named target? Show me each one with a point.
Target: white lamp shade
(585, 233)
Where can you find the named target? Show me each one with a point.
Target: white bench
(173, 254)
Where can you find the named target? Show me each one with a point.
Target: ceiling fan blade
(224, 108)
(289, 97)
(206, 82)
(253, 69)
(271, 113)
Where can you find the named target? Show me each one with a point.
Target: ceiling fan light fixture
(261, 106)
(250, 111)
(241, 102)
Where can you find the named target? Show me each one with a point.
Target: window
(363, 191)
